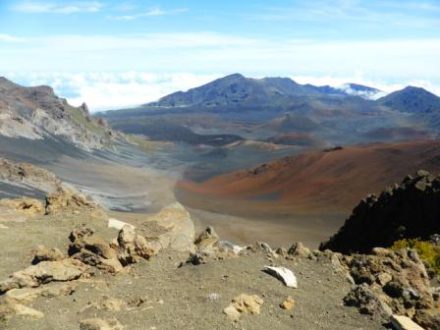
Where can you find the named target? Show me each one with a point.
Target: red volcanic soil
(314, 182)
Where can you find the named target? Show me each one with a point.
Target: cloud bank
(207, 52)
(35, 7)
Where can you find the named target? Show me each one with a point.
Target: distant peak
(417, 90)
(414, 88)
(234, 76)
(4, 81)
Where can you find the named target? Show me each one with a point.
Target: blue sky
(117, 53)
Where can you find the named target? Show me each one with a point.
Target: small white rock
(214, 296)
(236, 249)
(283, 274)
(118, 224)
(400, 322)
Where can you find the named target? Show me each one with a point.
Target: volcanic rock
(133, 246)
(93, 250)
(408, 210)
(67, 200)
(288, 304)
(392, 282)
(207, 242)
(43, 253)
(28, 175)
(100, 324)
(27, 295)
(29, 207)
(44, 272)
(243, 304)
(298, 249)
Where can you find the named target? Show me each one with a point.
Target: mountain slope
(320, 181)
(36, 113)
(236, 90)
(413, 100)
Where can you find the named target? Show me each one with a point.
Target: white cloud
(152, 12)
(107, 90)
(360, 78)
(367, 14)
(33, 7)
(10, 38)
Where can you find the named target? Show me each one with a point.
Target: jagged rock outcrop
(133, 247)
(27, 206)
(93, 250)
(208, 246)
(28, 175)
(389, 282)
(408, 210)
(44, 272)
(43, 253)
(67, 200)
(60, 197)
(37, 113)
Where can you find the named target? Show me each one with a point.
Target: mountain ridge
(236, 90)
(36, 113)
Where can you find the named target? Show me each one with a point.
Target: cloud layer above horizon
(113, 54)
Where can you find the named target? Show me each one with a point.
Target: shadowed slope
(408, 210)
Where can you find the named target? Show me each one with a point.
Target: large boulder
(66, 199)
(133, 246)
(44, 272)
(43, 253)
(93, 250)
(173, 227)
(208, 241)
(28, 175)
(26, 206)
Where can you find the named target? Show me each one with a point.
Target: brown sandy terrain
(304, 198)
(277, 231)
(312, 183)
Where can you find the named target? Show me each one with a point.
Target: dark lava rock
(408, 210)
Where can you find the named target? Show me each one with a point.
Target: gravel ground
(161, 295)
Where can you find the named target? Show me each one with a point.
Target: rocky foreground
(117, 279)
(66, 263)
